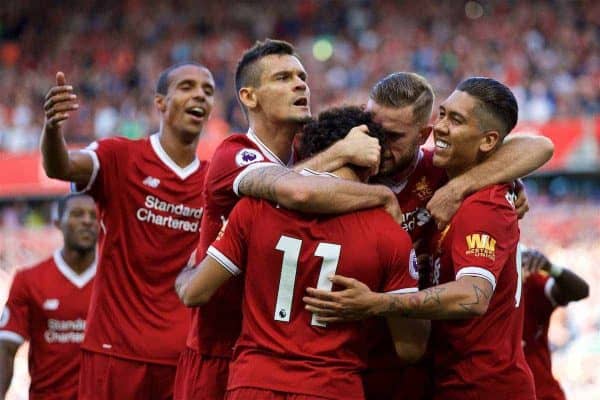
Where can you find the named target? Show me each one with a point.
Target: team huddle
(311, 258)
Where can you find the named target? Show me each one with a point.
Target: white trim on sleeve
(478, 272)
(405, 290)
(548, 291)
(95, 169)
(11, 337)
(223, 260)
(250, 167)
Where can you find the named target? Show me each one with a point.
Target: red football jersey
(282, 347)
(47, 305)
(216, 326)
(413, 194)
(150, 211)
(539, 306)
(482, 357)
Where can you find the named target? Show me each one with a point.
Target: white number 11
(291, 253)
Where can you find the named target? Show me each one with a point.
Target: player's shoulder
(380, 221)
(237, 150)
(117, 143)
(30, 272)
(499, 197)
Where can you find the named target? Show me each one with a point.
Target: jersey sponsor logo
(223, 227)
(422, 189)
(481, 245)
(415, 218)
(65, 331)
(151, 181)
(413, 265)
(248, 156)
(146, 214)
(4, 317)
(51, 304)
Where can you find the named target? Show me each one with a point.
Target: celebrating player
(545, 287)
(275, 96)
(282, 351)
(48, 304)
(477, 293)
(148, 194)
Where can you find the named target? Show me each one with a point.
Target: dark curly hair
(334, 124)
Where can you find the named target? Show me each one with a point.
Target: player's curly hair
(334, 124)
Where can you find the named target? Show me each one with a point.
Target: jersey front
(47, 306)
(482, 357)
(539, 306)
(150, 211)
(282, 347)
(216, 326)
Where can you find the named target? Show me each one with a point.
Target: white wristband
(556, 270)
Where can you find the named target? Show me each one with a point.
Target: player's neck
(182, 152)
(78, 261)
(277, 137)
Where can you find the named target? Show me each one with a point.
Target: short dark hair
(497, 107)
(63, 202)
(334, 124)
(402, 89)
(246, 73)
(162, 85)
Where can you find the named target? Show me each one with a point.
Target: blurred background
(113, 51)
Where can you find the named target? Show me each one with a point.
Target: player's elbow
(477, 310)
(582, 292)
(196, 298)
(412, 353)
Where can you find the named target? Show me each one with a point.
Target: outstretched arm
(8, 350)
(59, 163)
(467, 297)
(517, 157)
(316, 194)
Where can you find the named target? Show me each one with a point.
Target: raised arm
(516, 158)
(357, 148)
(467, 297)
(315, 194)
(59, 163)
(567, 286)
(8, 350)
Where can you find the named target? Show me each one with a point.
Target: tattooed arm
(315, 194)
(467, 297)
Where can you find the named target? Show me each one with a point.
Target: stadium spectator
(281, 352)
(48, 304)
(476, 289)
(149, 199)
(546, 286)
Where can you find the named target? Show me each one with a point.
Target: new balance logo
(50, 304)
(152, 182)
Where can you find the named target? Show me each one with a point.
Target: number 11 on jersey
(291, 253)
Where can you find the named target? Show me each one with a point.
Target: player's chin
(439, 160)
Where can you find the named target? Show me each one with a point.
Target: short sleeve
(485, 235)
(230, 247)
(107, 156)
(397, 255)
(538, 289)
(14, 321)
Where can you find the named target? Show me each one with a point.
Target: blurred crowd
(112, 52)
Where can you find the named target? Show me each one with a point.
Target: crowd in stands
(113, 51)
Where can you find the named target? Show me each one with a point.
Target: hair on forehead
(402, 89)
(497, 106)
(63, 202)
(164, 79)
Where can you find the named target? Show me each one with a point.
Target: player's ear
(424, 134)
(489, 141)
(248, 97)
(160, 103)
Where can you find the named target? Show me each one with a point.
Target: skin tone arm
(199, 284)
(59, 163)
(410, 337)
(316, 194)
(7, 356)
(517, 157)
(357, 148)
(568, 286)
(466, 297)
